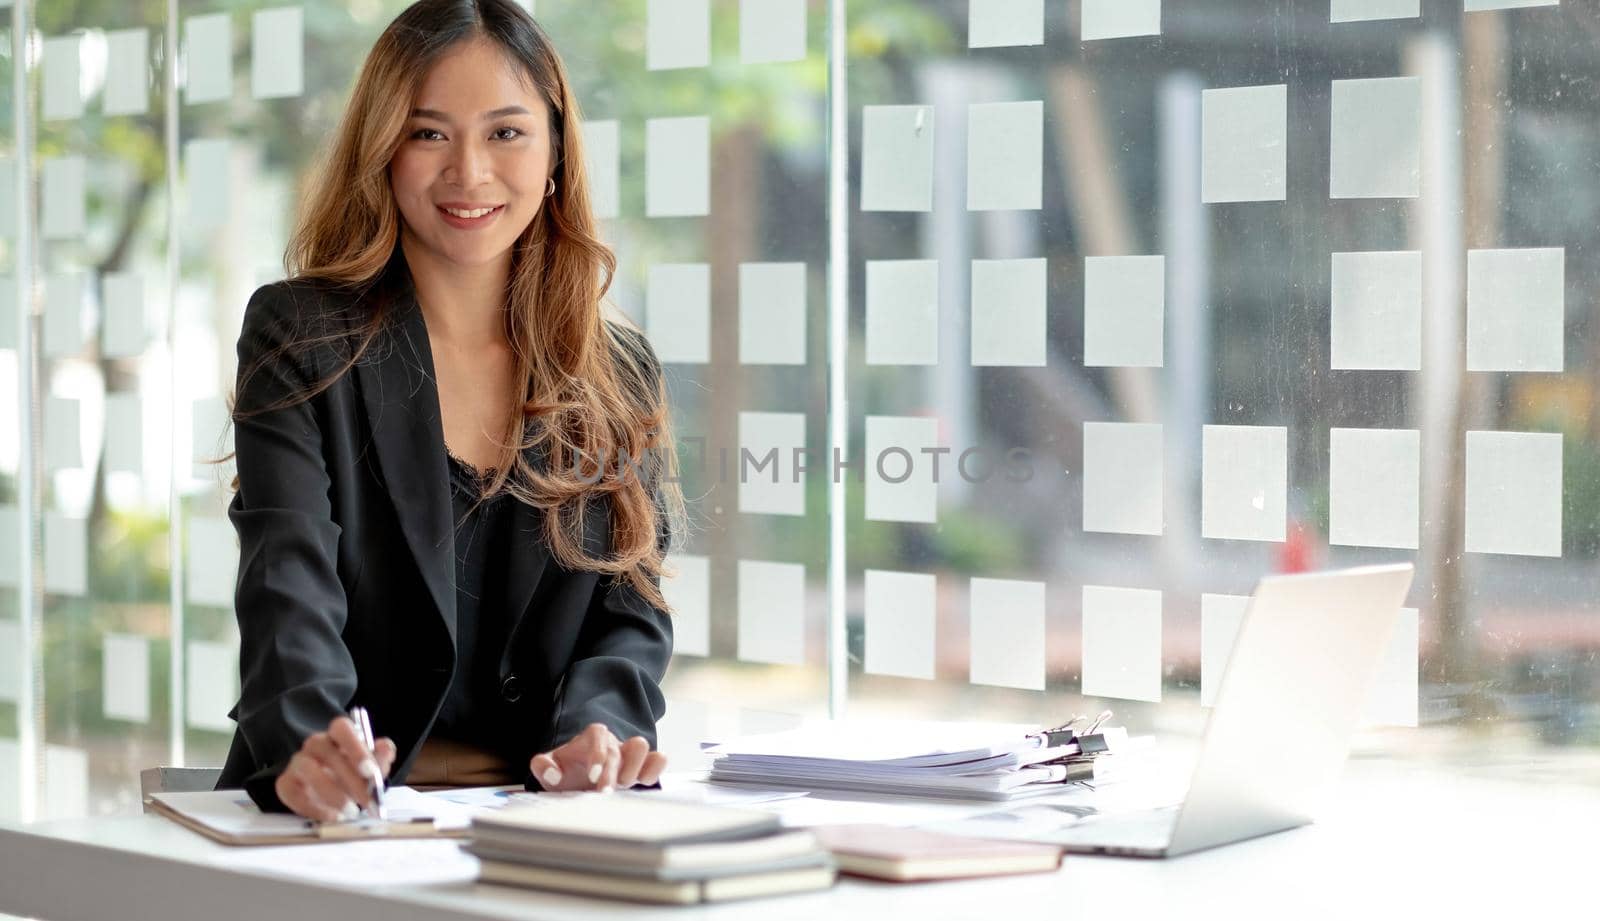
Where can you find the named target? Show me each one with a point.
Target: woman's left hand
(594, 760)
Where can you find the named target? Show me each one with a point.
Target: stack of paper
(635, 848)
(935, 759)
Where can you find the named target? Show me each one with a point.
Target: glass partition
(1143, 300)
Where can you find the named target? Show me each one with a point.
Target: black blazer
(346, 590)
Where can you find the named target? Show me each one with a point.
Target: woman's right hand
(328, 778)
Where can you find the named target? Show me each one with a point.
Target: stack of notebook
(949, 760)
(632, 847)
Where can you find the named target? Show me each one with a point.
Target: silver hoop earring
(550, 189)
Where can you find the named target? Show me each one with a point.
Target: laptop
(1291, 695)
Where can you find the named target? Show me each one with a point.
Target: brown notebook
(907, 854)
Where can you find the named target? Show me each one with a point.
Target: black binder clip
(1060, 735)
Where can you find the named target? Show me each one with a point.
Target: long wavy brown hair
(593, 406)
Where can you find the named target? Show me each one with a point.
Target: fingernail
(594, 773)
(551, 777)
(371, 769)
(349, 812)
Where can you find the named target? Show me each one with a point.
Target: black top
(469, 713)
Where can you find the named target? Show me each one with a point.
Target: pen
(358, 715)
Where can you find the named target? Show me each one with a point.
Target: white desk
(1397, 843)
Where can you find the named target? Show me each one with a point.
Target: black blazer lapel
(402, 403)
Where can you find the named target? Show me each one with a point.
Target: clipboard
(230, 817)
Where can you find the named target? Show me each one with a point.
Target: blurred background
(1199, 291)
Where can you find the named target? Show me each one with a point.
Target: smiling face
(470, 173)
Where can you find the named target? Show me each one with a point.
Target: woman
(429, 414)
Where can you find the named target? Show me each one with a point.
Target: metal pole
(175, 668)
(838, 345)
(30, 626)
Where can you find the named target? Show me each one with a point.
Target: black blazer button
(511, 689)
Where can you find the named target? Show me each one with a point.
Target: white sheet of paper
(1005, 156)
(900, 483)
(677, 34)
(8, 197)
(1514, 493)
(1516, 307)
(231, 812)
(1377, 311)
(772, 31)
(206, 165)
(602, 141)
(10, 546)
(127, 72)
(66, 782)
(680, 789)
(1478, 6)
(396, 862)
(903, 312)
(210, 435)
(1124, 311)
(677, 166)
(689, 594)
(1121, 643)
(63, 433)
(63, 315)
(10, 641)
(61, 196)
(61, 95)
(123, 332)
(277, 52)
(208, 58)
(66, 555)
(678, 312)
(1220, 617)
(1008, 312)
(1122, 477)
(1001, 23)
(900, 617)
(809, 811)
(1362, 10)
(768, 481)
(125, 677)
(772, 313)
(1374, 487)
(124, 444)
(1376, 138)
(212, 684)
(1244, 134)
(213, 561)
(1104, 19)
(1244, 482)
(1392, 700)
(897, 158)
(772, 625)
(1007, 633)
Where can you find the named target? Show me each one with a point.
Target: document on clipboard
(231, 817)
